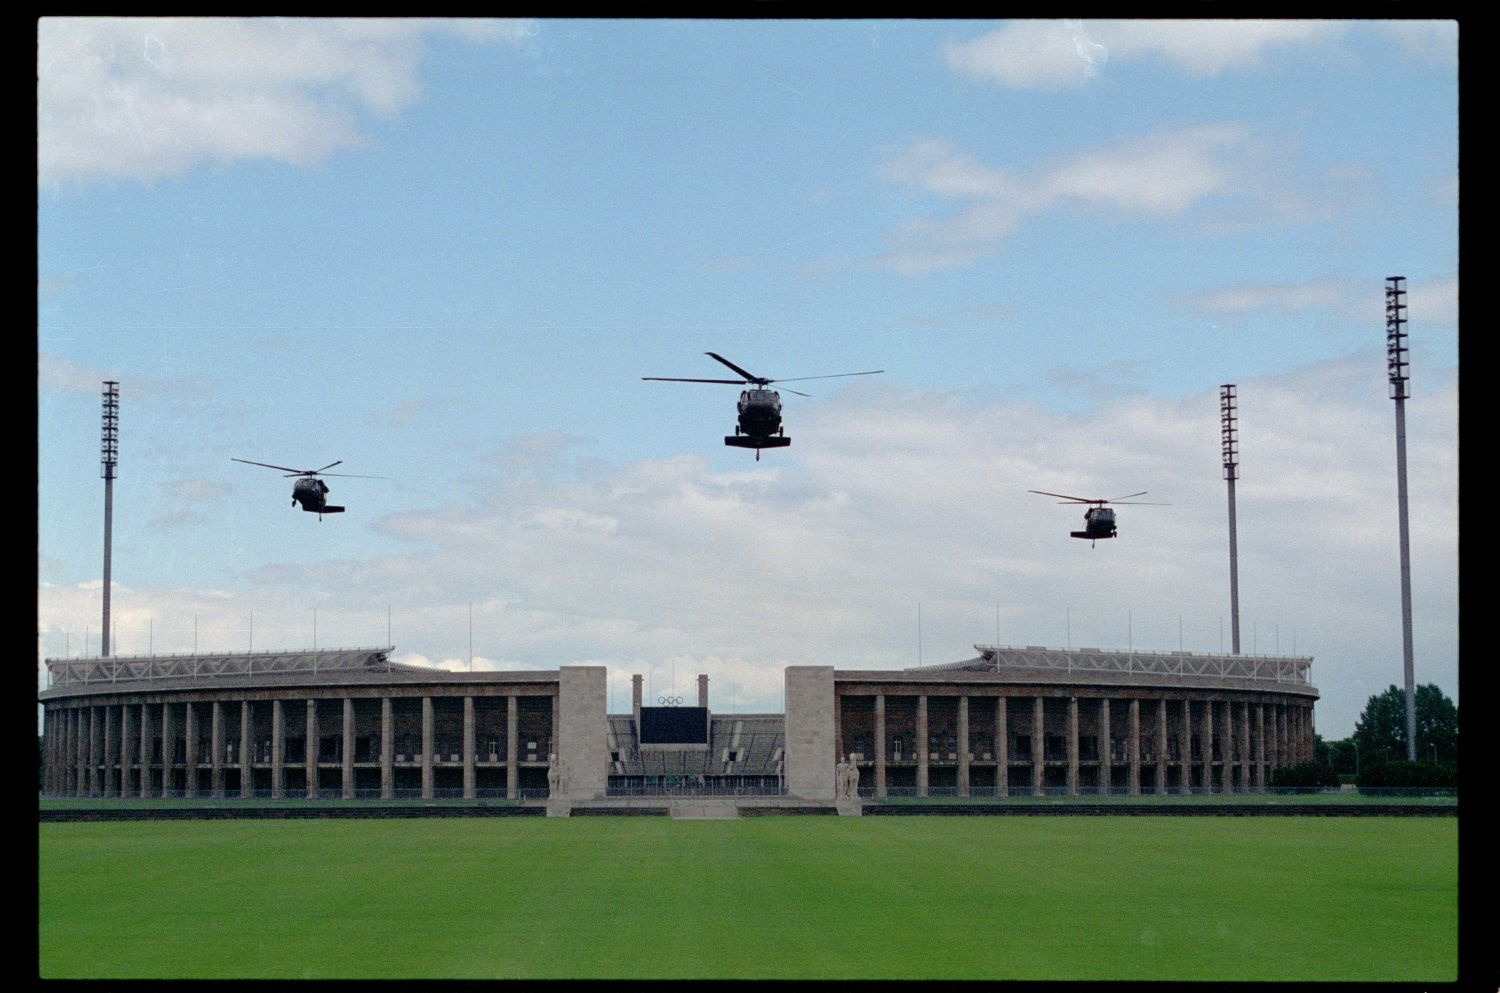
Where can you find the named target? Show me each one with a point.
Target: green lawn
(1136, 897)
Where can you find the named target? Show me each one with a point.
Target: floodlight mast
(109, 458)
(1229, 422)
(1396, 363)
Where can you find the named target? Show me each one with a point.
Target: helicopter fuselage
(759, 423)
(312, 495)
(1098, 522)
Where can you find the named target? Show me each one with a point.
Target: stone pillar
(1206, 744)
(703, 690)
(1185, 745)
(468, 748)
(581, 735)
(278, 751)
(427, 748)
(880, 744)
(923, 745)
(168, 750)
(1135, 747)
(1161, 746)
(1038, 745)
(77, 776)
(387, 749)
(310, 753)
(1073, 746)
(127, 752)
(1226, 744)
(216, 750)
(1283, 755)
(247, 749)
(838, 727)
(1002, 749)
(1245, 749)
(347, 772)
(809, 731)
(190, 735)
(146, 738)
(635, 703)
(1106, 760)
(552, 728)
(513, 742)
(93, 753)
(111, 775)
(1260, 747)
(963, 745)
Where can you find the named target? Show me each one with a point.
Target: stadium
(351, 724)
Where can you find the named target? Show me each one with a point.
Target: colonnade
(1241, 740)
(107, 749)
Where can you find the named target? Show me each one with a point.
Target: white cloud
(1053, 55)
(142, 98)
(1161, 175)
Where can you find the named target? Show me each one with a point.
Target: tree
(1380, 732)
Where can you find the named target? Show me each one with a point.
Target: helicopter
(1098, 520)
(310, 491)
(759, 423)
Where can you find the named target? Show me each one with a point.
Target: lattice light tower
(1229, 422)
(109, 458)
(1396, 363)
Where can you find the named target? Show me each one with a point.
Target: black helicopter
(759, 423)
(1098, 520)
(310, 491)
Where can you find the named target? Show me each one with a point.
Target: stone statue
(841, 778)
(554, 776)
(852, 782)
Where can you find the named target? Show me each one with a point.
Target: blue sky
(447, 252)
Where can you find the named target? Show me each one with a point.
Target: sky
(446, 253)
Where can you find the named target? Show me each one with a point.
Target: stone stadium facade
(351, 724)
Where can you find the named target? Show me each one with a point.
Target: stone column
(923, 746)
(190, 736)
(347, 777)
(93, 753)
(1282, 756)
(278, 753)
(1260, 747)
(168, 749)
(145, 750)
(111, 775)
(1161, 746)
(552, 733)
(635, 703)
(1226, 745)
(513, 742)
(310, 753)
(1073, 746)
(1038, 745)
(581, 734)
(963, 745)
(1106, 760)
(387, 749)
(216, 750)
(703, 690)
(1002, 749)
(838, 727)
(247, 750)
(427, 748)
(1207, 745)
(1185, 746)
(1135, 747)
(468, 748)
(127, 752)
(1245, 748)
(880, 744)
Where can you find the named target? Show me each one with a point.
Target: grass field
(1194, 898)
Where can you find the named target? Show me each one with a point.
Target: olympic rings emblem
(669, 701)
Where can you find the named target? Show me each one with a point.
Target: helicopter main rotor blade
(1126, 497)
(295, 472)
(674, 379)
(748, 377)
(1140, 503)
(836, 375)
(1074, 499)
(798, 392)
(350, 475)
(330, 465)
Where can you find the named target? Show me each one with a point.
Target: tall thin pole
(1229, 423)
(109, 457)
(388, 625)
(1400, 389)
(471, 636)
(919, 634)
